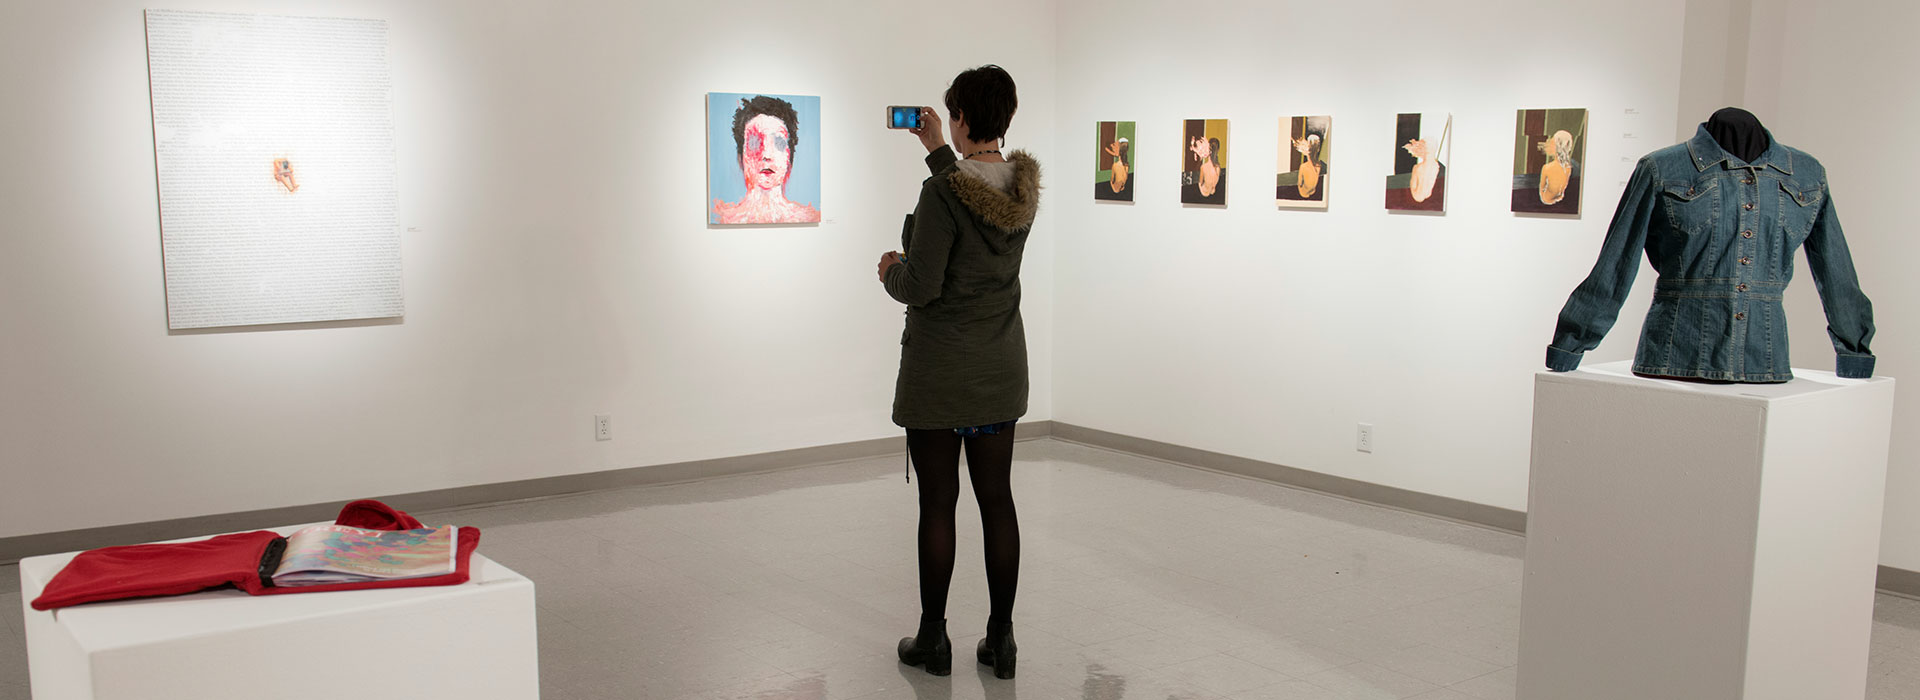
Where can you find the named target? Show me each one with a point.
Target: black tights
(936, 460)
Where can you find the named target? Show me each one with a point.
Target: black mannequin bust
(1739, 133)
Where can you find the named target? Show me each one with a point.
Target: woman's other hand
(930, 131)
(889, 259)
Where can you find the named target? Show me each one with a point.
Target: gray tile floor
(1141, 580)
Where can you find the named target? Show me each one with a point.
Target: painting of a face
(763, 159)
(766, 155)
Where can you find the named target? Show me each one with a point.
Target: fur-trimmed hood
(1005, 195)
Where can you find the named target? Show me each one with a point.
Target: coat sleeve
(1849, 313)
(1595, 304)
(939, 159)
(917, 281)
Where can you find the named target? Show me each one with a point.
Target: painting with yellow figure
(1305, 148)
(1203, 158)
(1549, 150)
(1113, 162)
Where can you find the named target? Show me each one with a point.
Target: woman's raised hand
(929, 130)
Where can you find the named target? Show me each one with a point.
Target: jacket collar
(1008, 206)
(1707, 153)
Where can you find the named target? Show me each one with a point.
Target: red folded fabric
(142, 570)
(370, 514)
(145, 570)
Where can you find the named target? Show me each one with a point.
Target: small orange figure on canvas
(1206, 150)
(1309, 149)
(1426, 169)
(1554, 175)
(283, 174)
(1119, 150)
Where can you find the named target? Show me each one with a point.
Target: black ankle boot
(931, 647)
(998, 650)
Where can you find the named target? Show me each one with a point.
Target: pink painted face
(766, 153)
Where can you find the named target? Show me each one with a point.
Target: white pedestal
(1702, 541)
(474, 641)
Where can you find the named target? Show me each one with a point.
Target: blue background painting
(724, 180)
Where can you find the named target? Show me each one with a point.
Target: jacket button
(1748, 206)
(1742, 316)
(1747, 181)
(1740, 288)
(1746, 234)
(1746, 261)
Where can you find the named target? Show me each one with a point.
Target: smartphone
(903, 117)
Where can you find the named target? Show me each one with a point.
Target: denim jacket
(1721, 234)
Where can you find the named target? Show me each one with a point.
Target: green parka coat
(963, 356)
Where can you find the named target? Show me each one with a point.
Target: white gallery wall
(1824, 77)
(557, 263)
(1272, 334)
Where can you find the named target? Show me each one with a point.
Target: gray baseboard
(1486, 516)
(1900, 582)
(1891, 580)
(13, 549)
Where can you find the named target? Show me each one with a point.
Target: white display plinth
(474, 641)
(1702, 541)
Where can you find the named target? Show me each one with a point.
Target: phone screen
(903, 117)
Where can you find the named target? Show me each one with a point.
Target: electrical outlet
(1363, 438)
(603, 427)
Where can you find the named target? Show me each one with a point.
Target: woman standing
(963, 357)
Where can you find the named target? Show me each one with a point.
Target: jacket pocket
(1692, 207)
(1799, 207)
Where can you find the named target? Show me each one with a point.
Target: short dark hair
(1125, 148)
(774, 107)
(987, 97)
(1213, 151)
